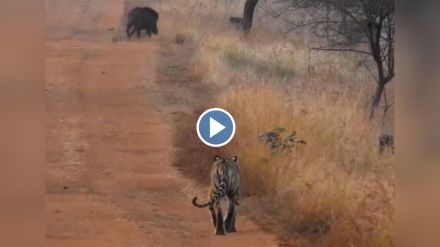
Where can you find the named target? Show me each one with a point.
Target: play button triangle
(215, 127)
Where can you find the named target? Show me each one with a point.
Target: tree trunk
(248, 14)
(377, 96)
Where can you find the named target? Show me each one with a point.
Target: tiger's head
(219, 159)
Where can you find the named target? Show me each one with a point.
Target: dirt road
(109, 176)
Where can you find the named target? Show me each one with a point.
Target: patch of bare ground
(109, 174)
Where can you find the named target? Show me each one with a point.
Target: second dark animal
(386, 142)
(142, 18)
(237, 22)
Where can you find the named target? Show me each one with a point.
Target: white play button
(215, 127)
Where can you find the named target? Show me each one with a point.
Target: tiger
(225, 184)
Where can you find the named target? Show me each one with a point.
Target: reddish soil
(110, 179)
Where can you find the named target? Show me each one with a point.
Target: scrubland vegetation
(335, 190)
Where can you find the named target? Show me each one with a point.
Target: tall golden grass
(335, 190)
(336, 186)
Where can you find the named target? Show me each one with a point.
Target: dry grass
(335, 187)
(336, 190)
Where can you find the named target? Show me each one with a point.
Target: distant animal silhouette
(142, 18)
(237, 22)
(386, 142)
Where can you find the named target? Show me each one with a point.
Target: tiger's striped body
(225, 184)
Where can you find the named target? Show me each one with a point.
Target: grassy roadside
(336, 190)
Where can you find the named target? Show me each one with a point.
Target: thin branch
(346, 12)
(371, 72)
(341, 50)
(273, 13)
(293, 25)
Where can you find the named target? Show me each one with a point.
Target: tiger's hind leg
(220, 227)
(231, 215)
(230, 219)
(234, 216)
(213, 215)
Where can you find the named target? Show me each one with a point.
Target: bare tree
(362, 26)
(244, 23)
(248, 14)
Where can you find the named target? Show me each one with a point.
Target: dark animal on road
(142, 18)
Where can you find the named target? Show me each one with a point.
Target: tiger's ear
(217, 158)
(235, 158)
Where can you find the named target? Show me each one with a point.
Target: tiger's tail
(204, 205)
(217, 196)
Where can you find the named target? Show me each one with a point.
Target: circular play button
(215, 127)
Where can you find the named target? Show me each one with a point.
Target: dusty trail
(109, 176)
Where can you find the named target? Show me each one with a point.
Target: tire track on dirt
(110, 179)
